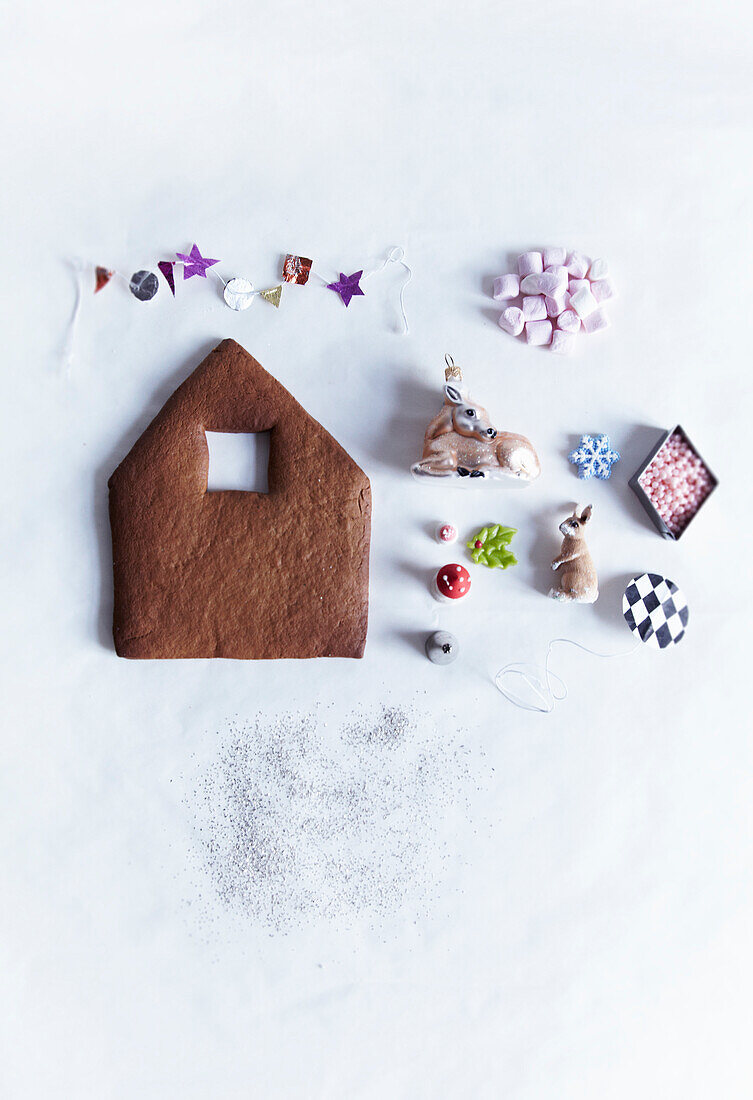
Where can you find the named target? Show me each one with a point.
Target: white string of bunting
(239, 292)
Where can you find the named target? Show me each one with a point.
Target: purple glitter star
(194, 263)
(347, 286)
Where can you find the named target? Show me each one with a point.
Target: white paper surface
(591, 936)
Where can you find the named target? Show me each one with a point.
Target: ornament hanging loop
(452, 370)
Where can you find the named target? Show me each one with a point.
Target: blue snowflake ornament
(594, 457)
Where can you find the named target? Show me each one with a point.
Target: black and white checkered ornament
(655, 609)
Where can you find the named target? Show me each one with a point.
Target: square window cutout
(238, 460)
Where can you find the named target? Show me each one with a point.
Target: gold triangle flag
(274, 295)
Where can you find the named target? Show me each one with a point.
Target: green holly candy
(490, 547)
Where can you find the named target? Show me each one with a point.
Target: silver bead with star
(441, 647)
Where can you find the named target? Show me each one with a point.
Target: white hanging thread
(396, 255)
(69, 346)
(320, 277)
(541, 686)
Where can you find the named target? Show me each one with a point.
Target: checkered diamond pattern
(655, 609)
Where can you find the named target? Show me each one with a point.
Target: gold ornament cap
(452, 370)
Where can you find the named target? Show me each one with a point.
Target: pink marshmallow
(530, 263)
(546, 283)
(511, 320)
(584, 303)
(534, 308)
(557, 304)
(538, 333)
(599, 269)
(559, 269)
(562, 292)
(603, 289)
(595, 321)
(505, 287)
(578, 264)
(563, 343)
(569, 321)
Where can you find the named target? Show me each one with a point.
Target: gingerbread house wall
(230, 573)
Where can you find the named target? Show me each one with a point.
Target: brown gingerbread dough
(230, 573)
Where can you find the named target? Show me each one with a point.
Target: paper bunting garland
(238, 293)
(103, 276)
(143, 285)
(274, 296)
(166, 267)
(194, 263)
(296, 269)
(347, 286)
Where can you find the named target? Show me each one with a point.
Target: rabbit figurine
(574, 566)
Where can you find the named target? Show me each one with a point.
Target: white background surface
(592, 938)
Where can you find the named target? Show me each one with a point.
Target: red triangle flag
(103, 276)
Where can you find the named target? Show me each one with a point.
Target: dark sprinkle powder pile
(299, 822)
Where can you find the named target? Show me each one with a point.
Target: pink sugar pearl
(677, 482)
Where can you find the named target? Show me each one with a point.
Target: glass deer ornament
(461, 441)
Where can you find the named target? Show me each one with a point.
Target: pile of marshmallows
(677, 482)
(562, 292)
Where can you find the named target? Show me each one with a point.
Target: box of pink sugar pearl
(673, 483)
